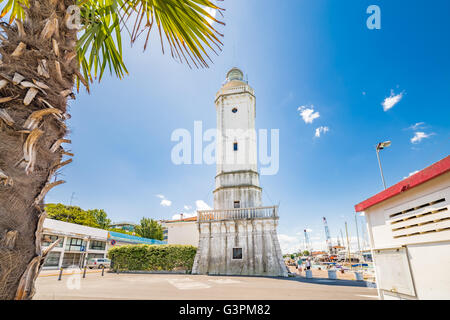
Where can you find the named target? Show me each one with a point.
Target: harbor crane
(327, 235)
(307, 242)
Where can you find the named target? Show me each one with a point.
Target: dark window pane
(237, 253)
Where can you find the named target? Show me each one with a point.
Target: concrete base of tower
(240, 247)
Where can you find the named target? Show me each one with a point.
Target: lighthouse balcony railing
(236, 214)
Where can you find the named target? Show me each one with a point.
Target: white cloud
(419, 136)
(289, 244)
(392, 100)
(308, 114)
(411, 173)
(166, 203)
(186, 207)
(202, 205)
(321, 130)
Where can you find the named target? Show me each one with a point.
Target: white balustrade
(239, 213)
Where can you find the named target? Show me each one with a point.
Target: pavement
(112, 286)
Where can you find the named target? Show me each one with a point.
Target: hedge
(145, 257)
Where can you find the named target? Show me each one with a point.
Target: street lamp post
(381, 146)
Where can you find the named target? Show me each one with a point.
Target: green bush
(145, 257)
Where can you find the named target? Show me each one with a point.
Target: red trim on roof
(420, 177)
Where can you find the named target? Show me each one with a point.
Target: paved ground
(195, 287)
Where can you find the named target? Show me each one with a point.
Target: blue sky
(316, 54)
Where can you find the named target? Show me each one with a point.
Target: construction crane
(307, 242)
(327, 235)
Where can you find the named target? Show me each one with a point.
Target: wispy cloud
(321, 130)
(308, 114)
(392, 100)
(186, 207)
(419, 136)
(416, 126)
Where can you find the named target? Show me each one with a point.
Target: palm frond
(184, 24)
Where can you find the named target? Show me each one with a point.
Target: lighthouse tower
(239, 236)
(237, 179)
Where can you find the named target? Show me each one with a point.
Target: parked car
(98, 263)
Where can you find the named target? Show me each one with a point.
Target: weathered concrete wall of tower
(261, 254)
(248, 196)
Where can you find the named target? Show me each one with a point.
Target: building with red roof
(409, 231)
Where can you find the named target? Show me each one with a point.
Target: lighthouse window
(237, 253)
(235, 146)
(234, 110)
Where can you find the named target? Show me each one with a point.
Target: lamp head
(383, 145)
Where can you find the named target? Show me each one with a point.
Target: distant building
(181, 231)
(409, 230)
(126, 226)
(80, 243)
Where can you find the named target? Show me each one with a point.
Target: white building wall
(428, 254)
(184, 233)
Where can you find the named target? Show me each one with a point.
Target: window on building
(234, 110)
(237, 204)
(97, 245)
(75, 244)
(235, 146)
(52, 259)
(48, 239)
(237, 253)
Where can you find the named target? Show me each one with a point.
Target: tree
(72, 214)
(101, 218)
(150, 229)
(46, 48)
(96, 218)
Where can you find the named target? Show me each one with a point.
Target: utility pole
(357, 234)
(381, 146)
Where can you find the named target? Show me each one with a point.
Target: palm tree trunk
(37, 75)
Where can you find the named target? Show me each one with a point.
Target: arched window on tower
(235, 146)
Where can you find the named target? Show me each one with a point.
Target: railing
(235, 214)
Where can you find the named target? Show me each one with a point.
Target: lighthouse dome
(235, 74)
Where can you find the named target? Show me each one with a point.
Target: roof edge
(429, 173)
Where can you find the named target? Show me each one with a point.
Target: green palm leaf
(182, 24)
